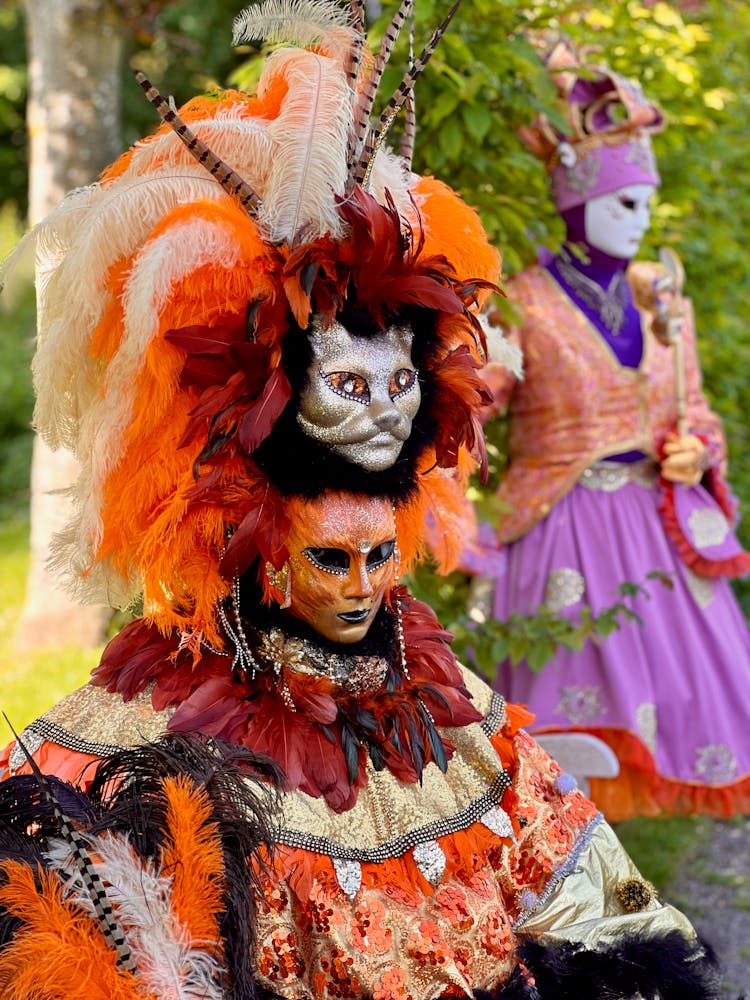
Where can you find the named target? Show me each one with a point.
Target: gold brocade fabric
(394, 812)
(584, 905)
(397, 936)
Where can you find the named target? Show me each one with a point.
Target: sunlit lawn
(30, 682)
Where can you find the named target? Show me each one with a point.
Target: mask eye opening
(348, 385)
(380, 555)
(329, 560)
(402, 381)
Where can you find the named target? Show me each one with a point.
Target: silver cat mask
(361, 394)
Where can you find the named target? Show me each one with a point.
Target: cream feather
(113, 227)
(170, 965)
(310, 136)
(290, 22)
(500, 349)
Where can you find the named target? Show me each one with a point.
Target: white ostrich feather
(290, 22)
(390, 173)
(310, 137)
(170, 965)
(114, 225)
(240, 142)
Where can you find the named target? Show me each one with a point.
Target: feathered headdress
(175, 298)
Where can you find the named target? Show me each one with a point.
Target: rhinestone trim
(42, 730)
(398, 846)
(348, 875)
(495, 717)
(430, 860)
(565, 869)
(499, 822)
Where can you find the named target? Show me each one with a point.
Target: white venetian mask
(361, 394)
(615, 223)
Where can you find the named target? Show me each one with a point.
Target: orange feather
(192, 854)
(58, 953)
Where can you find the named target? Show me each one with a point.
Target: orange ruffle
(639, 790)
(731, 566)
(67, 765)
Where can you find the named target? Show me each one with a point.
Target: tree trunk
(74, 54)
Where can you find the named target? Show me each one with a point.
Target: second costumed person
(269, 370)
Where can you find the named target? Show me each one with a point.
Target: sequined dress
(670, 694)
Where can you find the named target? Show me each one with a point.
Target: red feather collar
(319, 732)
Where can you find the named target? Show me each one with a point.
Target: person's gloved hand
(685, 459)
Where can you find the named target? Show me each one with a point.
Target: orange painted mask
(342, 562)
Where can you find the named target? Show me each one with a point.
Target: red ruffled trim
(732, 566)
(639, 790)
(318, 733)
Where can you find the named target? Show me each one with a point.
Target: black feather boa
(665, 966)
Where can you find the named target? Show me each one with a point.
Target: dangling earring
(243, 658)
(399, 620)
(280, 582)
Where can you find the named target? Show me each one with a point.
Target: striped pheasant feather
(113, 933)
(229, 179)
(399, 98)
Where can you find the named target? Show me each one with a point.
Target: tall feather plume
(354, 58)
(406, 146)
(77, 849)
(311, 134)
(370, 89)
(398, 100)
(292, 22)
(229, 179)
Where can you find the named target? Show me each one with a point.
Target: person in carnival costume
(617, 469)
(270, 374)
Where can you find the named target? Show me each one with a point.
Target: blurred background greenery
(483, 83)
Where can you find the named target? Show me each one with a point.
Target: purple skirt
(670, 695)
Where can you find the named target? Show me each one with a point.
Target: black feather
(350, 745)
(436, 744)
(665, 965)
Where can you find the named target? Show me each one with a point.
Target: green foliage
(55, 672)
(12, 98)
(16, 399)
(483, 641)
(661, 847)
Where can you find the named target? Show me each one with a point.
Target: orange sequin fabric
(577, 404)
(399, 937)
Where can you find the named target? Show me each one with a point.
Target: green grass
(659, 847)
(30, 681)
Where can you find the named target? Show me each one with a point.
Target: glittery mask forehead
(345, 521)
(340, 349)
(361, 394)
